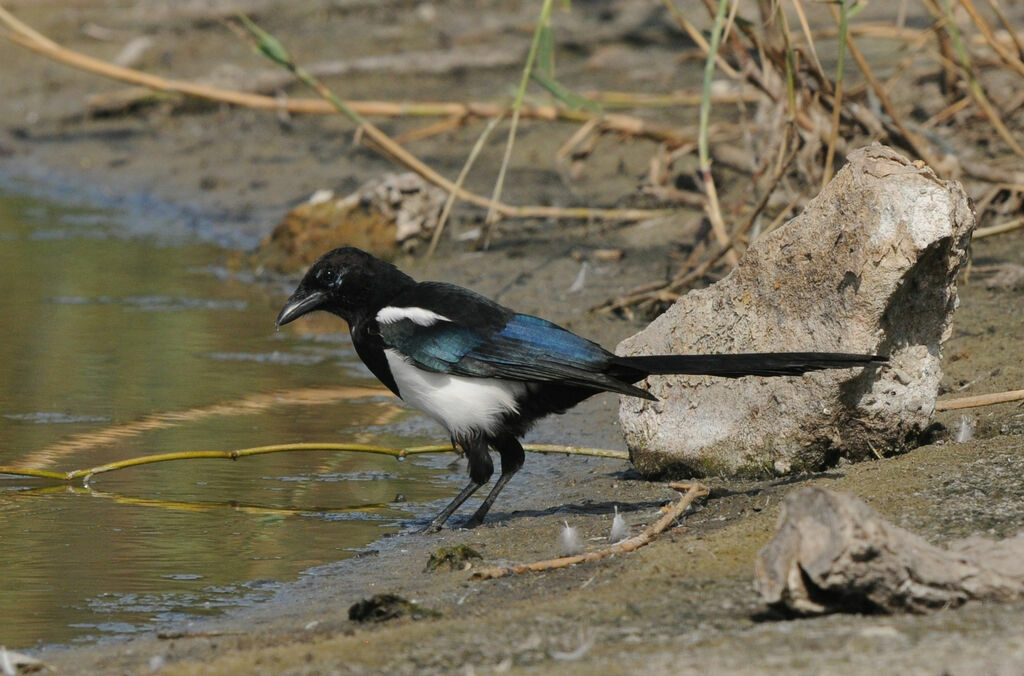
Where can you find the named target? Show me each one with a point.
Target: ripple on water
(274, 357)
(328, 477)
(54, 418)
(155, 303)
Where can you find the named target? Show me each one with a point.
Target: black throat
(364, 291)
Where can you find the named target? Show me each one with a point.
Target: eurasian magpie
(486, 372)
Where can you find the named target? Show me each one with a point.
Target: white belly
(460, 403)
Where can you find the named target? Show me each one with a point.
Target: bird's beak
(301, 302)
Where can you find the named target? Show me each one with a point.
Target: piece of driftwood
(834, 553)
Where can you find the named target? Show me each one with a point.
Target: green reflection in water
(102, 331)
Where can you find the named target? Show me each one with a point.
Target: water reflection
(114, 347)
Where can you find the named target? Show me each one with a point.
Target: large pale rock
(869, 266)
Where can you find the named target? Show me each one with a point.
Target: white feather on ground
(965, 431)
(570, 541)
(620, 531)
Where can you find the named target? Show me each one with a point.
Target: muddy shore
(685, 602)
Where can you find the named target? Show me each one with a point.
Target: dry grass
(948, 93)
(951, 100)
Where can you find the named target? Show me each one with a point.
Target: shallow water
(116, 345)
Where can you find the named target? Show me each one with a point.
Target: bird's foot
(473, 521)
(478, 516)
(432, 527)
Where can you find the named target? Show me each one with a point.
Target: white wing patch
(460, 403)
(416, 315)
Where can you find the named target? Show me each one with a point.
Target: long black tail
(750, 364)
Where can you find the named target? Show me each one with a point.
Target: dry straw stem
(1009, 226)
(916, 141)
(842, 17)
(798, 5)
(1007, 26)
(650, 534)
(980, 400)
(27, 37)
(712, 206)
(31, 39)
(972, 81)
(87, 474)
(1008, 57)
(446, 211)
(698, 39)
(543, 23)
(387, 147)
(690, 271)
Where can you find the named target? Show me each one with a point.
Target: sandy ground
(687, 601)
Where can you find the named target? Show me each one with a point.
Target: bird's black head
(347, 282)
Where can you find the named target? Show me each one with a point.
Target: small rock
(1006, 276)
(390, 214)
(384, 607)
(456, 557)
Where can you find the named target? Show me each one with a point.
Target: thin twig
(698, 39)
(651, 533)
(837, 98)
(789, 62)
(463, 173)
(1010, 29)
(274, 51)
(27, 37)
(973, 84)
(1009, 58)
(433, 129)
(779, 172)
(668, 291)
(543, 23)
(917, 143)
(704, 156)
(980, 400)
(1008, 226)
(798, 5)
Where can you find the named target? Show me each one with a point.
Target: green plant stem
(86, 474)
(517, 105)
(703, 154)
(975, 86)
(712, 206)
(837, 98)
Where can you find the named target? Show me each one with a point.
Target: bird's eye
(326, 276)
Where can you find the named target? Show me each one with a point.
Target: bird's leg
(512, 458)
(480, 470)
(439, 520)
